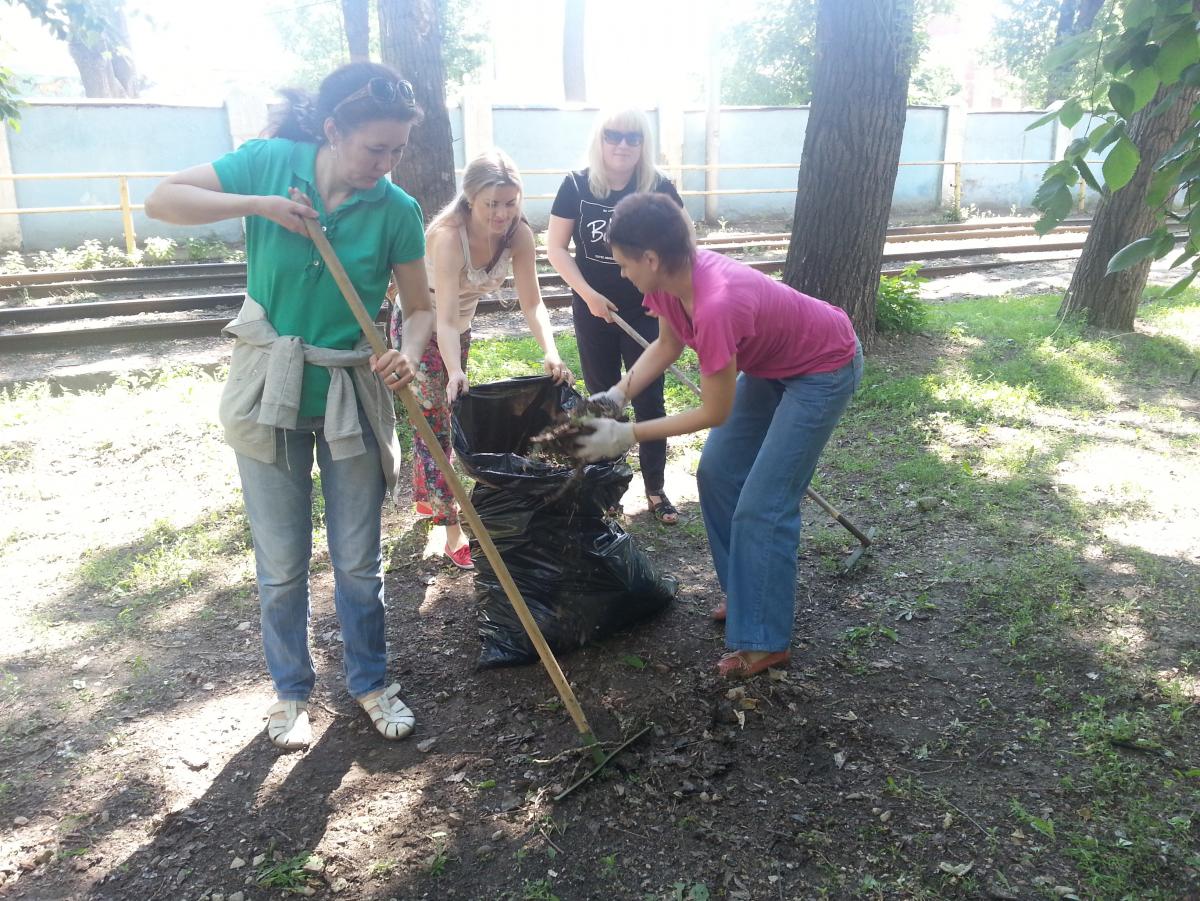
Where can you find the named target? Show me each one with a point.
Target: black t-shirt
(592, 253)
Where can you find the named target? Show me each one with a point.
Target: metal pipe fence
(126, 208)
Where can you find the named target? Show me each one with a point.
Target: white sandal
(288, 726)
(392, 718)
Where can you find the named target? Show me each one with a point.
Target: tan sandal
(288, 726)
(392, 718)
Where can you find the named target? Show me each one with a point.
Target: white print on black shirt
(593, 227)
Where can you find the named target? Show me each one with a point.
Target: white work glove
(611, 401)
(608, 439)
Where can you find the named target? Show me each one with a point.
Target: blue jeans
(279, 504)
(752, 476)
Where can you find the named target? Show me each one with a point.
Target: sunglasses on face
(384, 92)
(614, 137)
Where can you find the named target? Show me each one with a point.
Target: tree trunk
(574, 79)
(95, 70)
(356, 15)
(1074, 17)
(851, 148)
(410, 38)
(98, 41)
(1122, 217)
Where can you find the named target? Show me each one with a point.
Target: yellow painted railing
(124, 206)
(127, 208)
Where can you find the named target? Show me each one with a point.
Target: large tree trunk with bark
(1074, 17)
(851, 148)
(356, 15)
(410, 38)
(574, 79)
(1122, 217)
(99, 45)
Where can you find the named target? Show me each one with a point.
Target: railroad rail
(163, 316)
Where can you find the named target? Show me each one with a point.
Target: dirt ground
(882, 762)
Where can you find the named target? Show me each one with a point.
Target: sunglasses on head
(383, 91)
(614, 137)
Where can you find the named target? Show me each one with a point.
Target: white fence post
(10, 226)
(952, 152)
(477, 121)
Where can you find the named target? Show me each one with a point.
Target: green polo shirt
(371, 231)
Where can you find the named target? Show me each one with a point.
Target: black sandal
(664, 511)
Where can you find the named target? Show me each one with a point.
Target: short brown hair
(655, 222)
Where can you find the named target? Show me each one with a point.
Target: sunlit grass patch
(1017, 319)
(1072, 375)
(977, 399)
(167, 562)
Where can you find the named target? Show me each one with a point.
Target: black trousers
(603, 347)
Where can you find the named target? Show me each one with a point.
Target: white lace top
(473, 282)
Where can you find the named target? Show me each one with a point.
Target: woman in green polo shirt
(302, 380)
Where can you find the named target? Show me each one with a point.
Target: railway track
(177, 301)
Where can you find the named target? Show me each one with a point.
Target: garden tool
(600, 759)
(864, 538)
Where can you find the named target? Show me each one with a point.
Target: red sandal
(461, 558)
(737, 664)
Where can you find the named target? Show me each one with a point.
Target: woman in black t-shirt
(621, 162)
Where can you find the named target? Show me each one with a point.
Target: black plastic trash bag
(580, 573)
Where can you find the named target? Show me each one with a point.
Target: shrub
(899, 307)
(208, 249)
(158, 250)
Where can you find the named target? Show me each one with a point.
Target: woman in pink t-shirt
(777, 369)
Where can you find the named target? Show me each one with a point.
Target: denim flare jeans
(752, 476)
(279, 504)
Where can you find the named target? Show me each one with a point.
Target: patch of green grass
(1136, 806)
(382, 868)
(1032, 588)
(869, 634)
(288, 874)
(1020, 341)
(439, 857)
(538, 890)
(168, 562)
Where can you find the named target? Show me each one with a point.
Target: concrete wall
(94, 136)
(543, 137)
(1002, 136)
(108, 136)
(552, 137)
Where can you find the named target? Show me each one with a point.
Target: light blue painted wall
(920, 187)
(543, 137)
(748, 135)
(1002, 136)
(109, 137)
(142, 137)
(549, 137)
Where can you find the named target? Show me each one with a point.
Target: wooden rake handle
(317, 234)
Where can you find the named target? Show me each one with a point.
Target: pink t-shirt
(776, 331)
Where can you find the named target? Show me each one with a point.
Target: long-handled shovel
(599, 758)
(864, 538)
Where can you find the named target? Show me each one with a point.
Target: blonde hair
(491, 169)
(622, 120)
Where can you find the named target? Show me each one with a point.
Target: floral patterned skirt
(429, 484)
